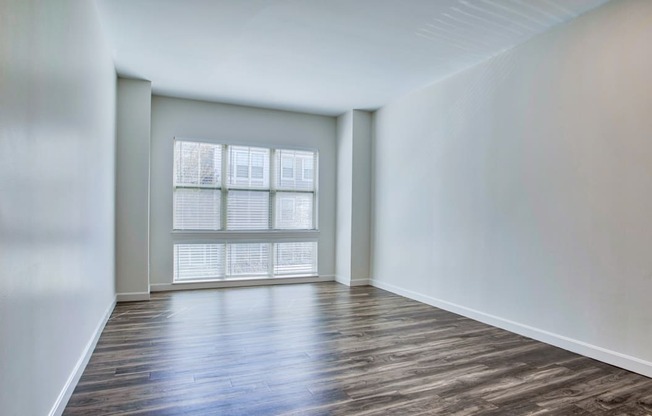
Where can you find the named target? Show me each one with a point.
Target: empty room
(325, 207)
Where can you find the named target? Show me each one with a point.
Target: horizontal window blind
(295, 258)
(248, 259)
(248, 210)
(294, 211)
(217, 261)
(198, 164)
(197, 209)
(248, 167)
(294, 170)
(198, 261)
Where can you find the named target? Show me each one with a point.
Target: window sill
(223, 283)
(245, 279)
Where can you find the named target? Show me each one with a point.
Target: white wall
(361, 196)
(344, 197)
(57, 177)
(221, 123)
(518, 191)
(353, 197)
(132, 189)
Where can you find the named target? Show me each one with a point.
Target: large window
(231, 194)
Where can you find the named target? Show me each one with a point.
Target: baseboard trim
(343, 281)
(132, 297)
(352, 282)
(61, 402)
(165, 287)
(615, 358)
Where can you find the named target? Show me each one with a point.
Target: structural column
(354, 146)
(134, 104)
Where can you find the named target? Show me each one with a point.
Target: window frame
(199, 186)
(271, 235)
(224, 187)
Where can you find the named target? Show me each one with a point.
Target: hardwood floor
(326, 349)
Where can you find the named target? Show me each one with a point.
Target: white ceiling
(318, 56)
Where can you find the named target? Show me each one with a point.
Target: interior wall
(132, 189)
(518, 191)
(57, 178)
(222, 123)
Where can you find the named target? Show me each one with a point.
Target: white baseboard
(164, 287)
(132, 296)
(343, 280)
(615, 358)
(352, 282)
(73, 379)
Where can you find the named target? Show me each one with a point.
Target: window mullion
(272, 260)
(315, 199)
(272, 189)
(199, 164)
(249, 169)
(224, 187)
(225, 196)
(272, 207)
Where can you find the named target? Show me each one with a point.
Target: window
(193, 262)
(248, 167)
(287, 168)
(307, 167)
(197, 186)
(294, 210)
(223, 193)
(295, 258)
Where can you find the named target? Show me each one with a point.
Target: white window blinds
(197, 209)
(248, 259)
(199, 261)
(248, 210)
(294, 170)
(295, 258)
(242, 189)
(294, 211)
(197, 186)
(196, 262)
(254, 196)
(248, 167)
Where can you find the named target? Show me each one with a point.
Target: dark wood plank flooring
(326, 349)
